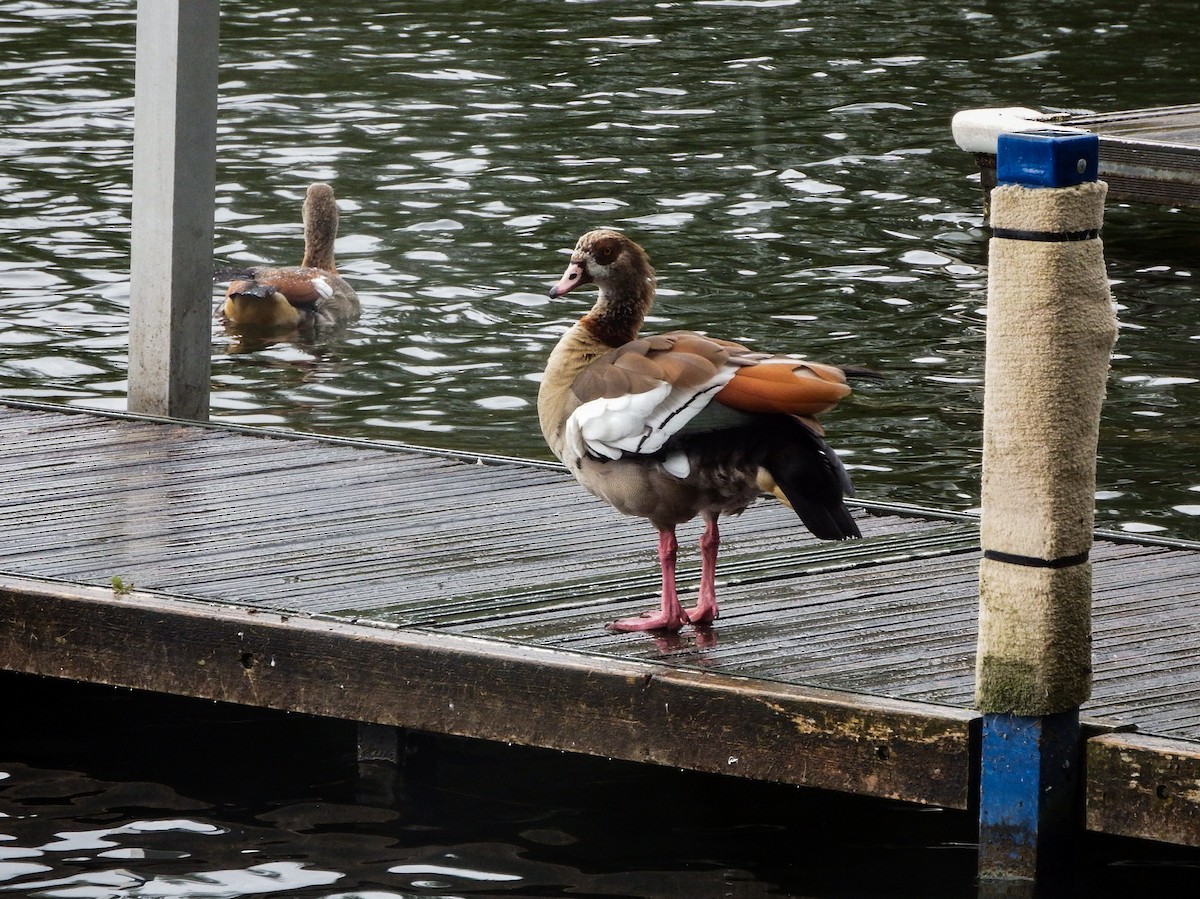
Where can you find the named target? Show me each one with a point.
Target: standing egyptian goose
(677, 425)
(309, 297)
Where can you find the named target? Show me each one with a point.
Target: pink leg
(705, 611)
(671, 617)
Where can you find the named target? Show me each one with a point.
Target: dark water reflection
(788, 165)
(198, 801)
(128, 796)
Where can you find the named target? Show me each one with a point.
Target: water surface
(788, 165)
(121, 795)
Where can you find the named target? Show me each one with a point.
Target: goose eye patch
(605, 252)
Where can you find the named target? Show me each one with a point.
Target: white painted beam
(977, 130)
(174, 178)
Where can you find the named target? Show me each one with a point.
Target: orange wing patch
(785, 387)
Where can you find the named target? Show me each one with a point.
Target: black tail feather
(813, 479)
(861, 373)
(804, 468)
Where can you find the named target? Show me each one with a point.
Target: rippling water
(129, 796)
(788, 165)
(196, 800)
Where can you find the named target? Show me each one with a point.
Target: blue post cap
(1047, 158)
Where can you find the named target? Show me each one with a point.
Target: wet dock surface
(468, 595)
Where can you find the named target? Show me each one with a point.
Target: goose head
(621, 270)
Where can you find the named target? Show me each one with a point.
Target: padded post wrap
(1050, 332)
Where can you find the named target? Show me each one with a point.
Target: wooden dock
(1146, 155)
(467, 595)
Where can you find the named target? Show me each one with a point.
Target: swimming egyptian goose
(677, 425)
(309, 297)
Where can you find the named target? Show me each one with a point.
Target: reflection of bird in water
(304, 299)
(676, 425)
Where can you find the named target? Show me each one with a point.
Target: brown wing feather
(296, 284)
(683, 359)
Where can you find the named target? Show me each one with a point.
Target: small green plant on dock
(120, 587)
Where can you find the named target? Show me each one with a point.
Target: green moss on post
(1035, 639)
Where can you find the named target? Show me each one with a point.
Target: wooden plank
(496, 690)
(1162, 124)
(1144, 786)
(743, 567)
(201, 511)
(520, 590)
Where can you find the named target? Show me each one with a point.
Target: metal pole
(1051, 327)
(174, 185)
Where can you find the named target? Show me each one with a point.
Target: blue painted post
(1028, 785)
(1051, 327)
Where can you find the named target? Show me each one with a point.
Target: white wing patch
(677, 464)
(641, 423)
(324, 288)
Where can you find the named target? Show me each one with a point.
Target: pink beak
(575, 275)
